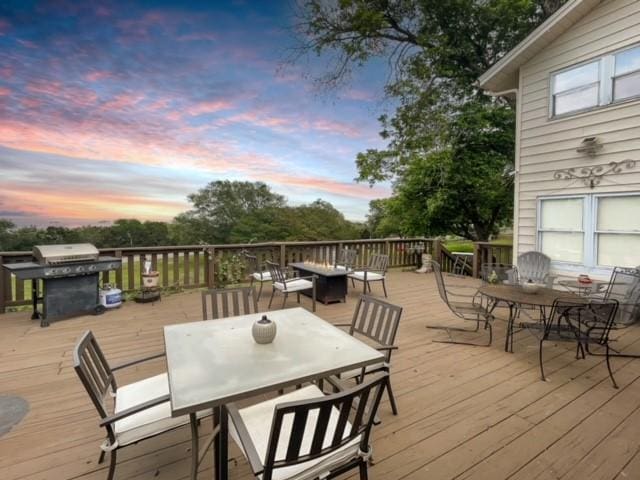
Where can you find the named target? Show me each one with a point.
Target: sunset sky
(109, 111)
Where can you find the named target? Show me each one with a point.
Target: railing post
(211, 260)
(476, 260)
(118, 254)
(2, 299)
(437, 251)
(283, 253)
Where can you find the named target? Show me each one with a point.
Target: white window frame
(590, 231)
(607, 74)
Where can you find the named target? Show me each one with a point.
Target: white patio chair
(256, 273)
(140, 410)
(534, 266)
(290, 283)
(306, 434)
(375, 271)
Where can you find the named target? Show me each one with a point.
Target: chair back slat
(377, 320)
(228, 302)
(442, 290)
(93, 370)
(277, 274)
(252, 263)
(310, 422)
(297, 434)
(624, 286)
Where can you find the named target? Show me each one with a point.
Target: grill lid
(57, 254)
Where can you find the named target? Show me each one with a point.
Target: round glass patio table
(515, 297)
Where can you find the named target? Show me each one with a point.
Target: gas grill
(70, 277)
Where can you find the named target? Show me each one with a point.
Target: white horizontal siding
(547, 145)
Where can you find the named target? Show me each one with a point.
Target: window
(626, 82)
(576, 89)
(561, 231)
(618, 231)
(611, 78)
(591, 230)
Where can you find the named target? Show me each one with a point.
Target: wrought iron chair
(226, 302)
(140, 410)
(376, 320)
(375, 271)
(498, 273)
(256, 272)
(624, 286)
(535, 266)
(306, 434)
(575, 322)
(464, 302)
(347, 259)
(290, 283)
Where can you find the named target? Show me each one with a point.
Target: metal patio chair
(140, 410)
(290, 283)
(228, 302)
(256, 272)
(375, 271)
(464, 302)
(347, 259)
(378, 321)
(498, 273)
(624, 287)
(306, 434)
(535, 266)
(575, 322)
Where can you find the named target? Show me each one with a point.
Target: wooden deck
(465, 412)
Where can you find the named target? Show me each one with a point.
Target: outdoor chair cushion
(294, 285)
(151, 421)
(371, 276)
(261, 276)
(257, 418)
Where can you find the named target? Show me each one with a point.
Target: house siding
(546, 145)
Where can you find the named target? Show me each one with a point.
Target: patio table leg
(508, 342)
(193, 421)
(221, 443)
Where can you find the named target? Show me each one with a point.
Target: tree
(219, 206)
(443, 124)
(5, 234)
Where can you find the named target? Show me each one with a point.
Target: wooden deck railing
(194, 266)
(485, 252)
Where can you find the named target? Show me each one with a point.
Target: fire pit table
(331, 282)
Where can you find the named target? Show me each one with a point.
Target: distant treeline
(224, 212)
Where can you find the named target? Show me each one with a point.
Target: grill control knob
(80, 269)
(91, 268)
(66, 270)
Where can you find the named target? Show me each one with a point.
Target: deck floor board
(465, 412)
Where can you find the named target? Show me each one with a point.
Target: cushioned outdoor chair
(464, 302)
(535, 267)
(289, 282)
(256, 272)
(308, 435)
(375, 271)
(140, 410)
(377, 321)
(228, 302)
(576, 322)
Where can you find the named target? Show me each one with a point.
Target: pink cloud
(211, 106)
(6, 72)
(347, 189)
(4, 91)
(98, 75)
(4, 26)
(123, 101)
(197, 37)
(26, 43)
(361, 95)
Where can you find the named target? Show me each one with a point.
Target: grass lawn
(467, 245)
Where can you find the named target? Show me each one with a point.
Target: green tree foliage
(450, 147)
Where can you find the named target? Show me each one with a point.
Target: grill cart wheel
(99, 310)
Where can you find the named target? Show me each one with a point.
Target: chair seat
(294, 285)
(371, 276)
(358, 371)
(151, 421)
(463, 307)
(258, 418)
(262, 276)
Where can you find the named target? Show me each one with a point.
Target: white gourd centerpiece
(264, 330)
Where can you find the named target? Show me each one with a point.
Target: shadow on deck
(465, 412)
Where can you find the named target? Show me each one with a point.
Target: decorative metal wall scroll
(592, 176)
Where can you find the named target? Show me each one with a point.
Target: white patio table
(214, 362)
